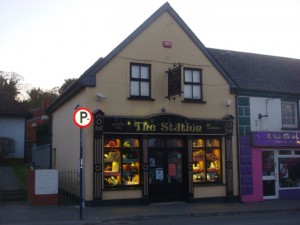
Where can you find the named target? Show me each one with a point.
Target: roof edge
(88, 79)
(66, 95)
(201, 46)
(260, 93)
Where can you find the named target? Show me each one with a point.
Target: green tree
(66, 84)
(11, 82)
(37, 94)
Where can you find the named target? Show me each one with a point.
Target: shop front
(280, 164)
(159, 158)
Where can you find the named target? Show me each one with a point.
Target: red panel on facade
(167, 44)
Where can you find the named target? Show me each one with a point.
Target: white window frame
(140, 80)
(193, 84)
(290, 117)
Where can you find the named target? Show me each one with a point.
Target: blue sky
(47, 41)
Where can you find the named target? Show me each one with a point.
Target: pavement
(22, 213)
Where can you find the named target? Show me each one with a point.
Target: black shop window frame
(207, 160)
(126, 151)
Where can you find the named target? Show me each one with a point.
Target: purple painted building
(268, 119)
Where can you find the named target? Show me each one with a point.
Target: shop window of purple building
(289, 172)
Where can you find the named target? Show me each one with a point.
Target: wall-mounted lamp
(100, 96)
(261, 116)
(228, 103)
(163, 109)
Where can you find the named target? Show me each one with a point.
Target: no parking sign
(83, 117)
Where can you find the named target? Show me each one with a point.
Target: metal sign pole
(81, 165)
(82, 118)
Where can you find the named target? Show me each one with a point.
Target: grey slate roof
(260, 73)
(10, 107)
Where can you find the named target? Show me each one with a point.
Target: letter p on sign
(83, 117)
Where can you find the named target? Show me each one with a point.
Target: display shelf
(109, 173)
(212, 170)
(111, 155)
(130, 167)
(212, 143)
(130, 143)
(112, 143)
(112, 180)
(198, 143)
(112, 163)
(198, 154)
(198, 170)
(130, 160)
(198, 177)
(131, 180)
(128, 173)
(212, 177)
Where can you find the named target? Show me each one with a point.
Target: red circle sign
(83, 117)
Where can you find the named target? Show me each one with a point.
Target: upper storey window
(289, 114)
(192, 84)
(140, 81)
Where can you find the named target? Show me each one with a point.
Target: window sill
(290, 128)
(194, 101)
(288, 188)
(208, 184)
(140, 98)
(123, 187)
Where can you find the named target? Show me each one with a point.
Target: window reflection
(174, 143)
(268, 163)
(165, 143)
(289, 172)
(156, 143)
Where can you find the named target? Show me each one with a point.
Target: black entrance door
(165, 174)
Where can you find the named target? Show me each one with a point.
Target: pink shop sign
(291, 139)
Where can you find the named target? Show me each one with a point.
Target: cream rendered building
(164, 130)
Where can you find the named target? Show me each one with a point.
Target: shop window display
(289, 172)
(206, 161)
(121, 162)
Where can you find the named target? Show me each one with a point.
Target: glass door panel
(165, 175)
(269, 175)
(174, 167)
(268, 163)
(156, 167)
(174, 178)
(269, 188)
(157, 184)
